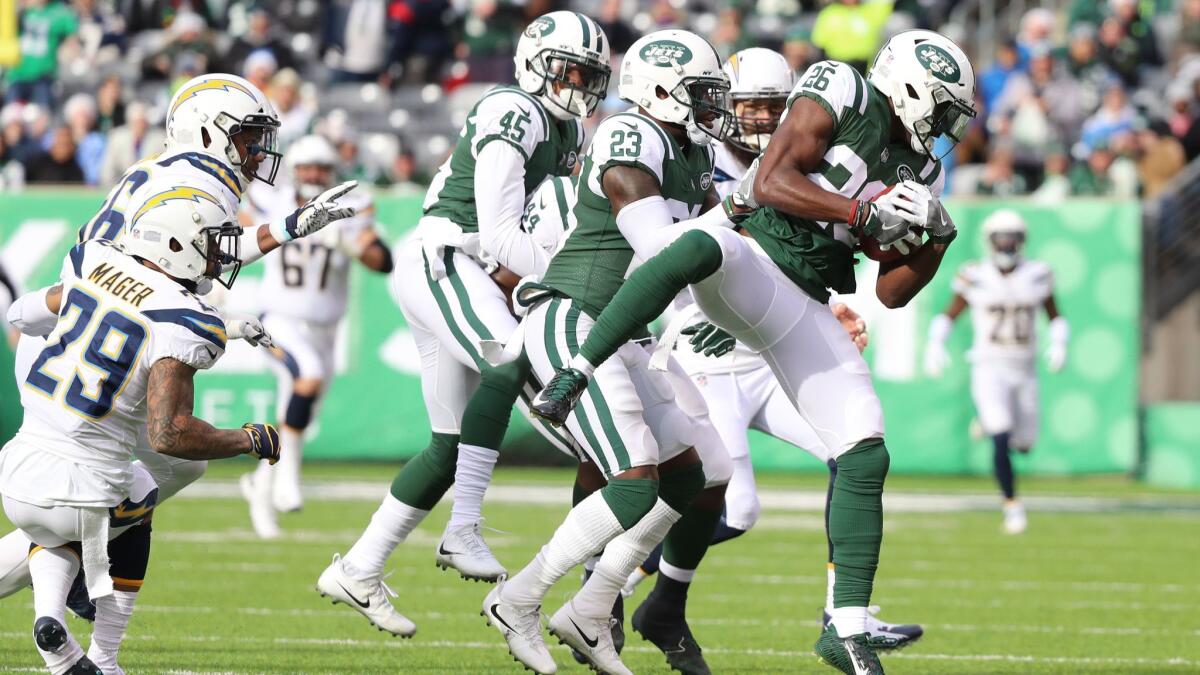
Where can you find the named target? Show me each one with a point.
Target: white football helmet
(311, 150)
(219, 106)
(676, 77)
(187, 233)
(762, 79)
(1005, 231)
(562, 58)
(930, 83)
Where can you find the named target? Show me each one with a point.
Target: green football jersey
(551, 147)
(859, 164)
(596, 258)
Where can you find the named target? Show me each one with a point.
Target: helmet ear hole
(174, 245)
(661, 93)
(912, 92)
(204, 137)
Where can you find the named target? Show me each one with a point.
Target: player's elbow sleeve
(30, 315)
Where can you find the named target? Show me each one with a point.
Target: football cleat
(464, 549)
(853, 655)
(666, 628)
(1015, 521)
(617, 621)
(554, 402)
(367, 596)
(521, 628)
(590, 637)
(78, 600)
(84, 666)
(106, 664)
(885, 636)
(263, 516)
(286, 497)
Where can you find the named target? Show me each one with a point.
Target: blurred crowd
(1097, 97)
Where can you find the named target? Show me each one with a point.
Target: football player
(130, 336)
(451, 279)
(303, 298)
(1004, 293)
(739, 388)
(823, 181)
(220, 138)
(644, 169)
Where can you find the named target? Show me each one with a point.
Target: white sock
(830, 577)
(621, 556)
(53, 570)
(14, 563)
(677, 573)
(264, 476)
(112, 617)
(471, 478)
(286, 472)
(849, 620)
(391, 524)
(582, 365)
(587, 529)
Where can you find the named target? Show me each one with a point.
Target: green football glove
(709, 339)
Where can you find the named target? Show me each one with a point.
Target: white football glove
(936, 358)
(941, 228)
(316, 214)
(743, 194)
(248, 328)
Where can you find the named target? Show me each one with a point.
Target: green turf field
(1105, 581)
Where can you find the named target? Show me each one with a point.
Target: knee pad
(865, 464)
(679, 488)
(299, 411)
(129, 556)
(700, 248)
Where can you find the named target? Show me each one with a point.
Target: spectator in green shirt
(1091, 179)
(851, 30)
(43, 26)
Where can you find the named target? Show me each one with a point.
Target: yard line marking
(779, 499)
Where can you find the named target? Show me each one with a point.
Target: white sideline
(771, 498)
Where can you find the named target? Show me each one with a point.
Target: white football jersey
(308, 279)
(549, 214)
(727, 170)
(85, 393)
(1004, 307)
(186, 170)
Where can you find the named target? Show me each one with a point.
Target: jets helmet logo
(939, 62)
(665, 53)
(541, 26)
(904, 173)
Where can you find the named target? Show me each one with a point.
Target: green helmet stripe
(587, 30)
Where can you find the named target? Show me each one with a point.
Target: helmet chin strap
(697, 135)
(204, 286)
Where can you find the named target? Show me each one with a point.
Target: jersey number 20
(113, 355)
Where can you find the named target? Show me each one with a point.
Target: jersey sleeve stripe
(666, 140)
(207, 326)
(859, 94)
(497, 137)
(563, 208)
(823, 103)
(537, 105)
(76, 255)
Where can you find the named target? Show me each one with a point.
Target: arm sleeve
(500, 203)
(30, 315)
(647, 225)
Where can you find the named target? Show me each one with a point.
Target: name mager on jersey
(860, 162)
(85, 394)
(1004, 307)
(309, 278)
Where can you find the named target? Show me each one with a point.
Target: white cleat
(263, 516)
(286, 497)
(465, 550)
(590, 636)
(635, 577)
(521, 628)
(1015, 521)
(367, 596)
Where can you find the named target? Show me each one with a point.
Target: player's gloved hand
(316, 214)
(1056, 357)
(891, 215)
(936, 358)
(248, 328)
(743, 194)
(941, 228)
(906, 244)
(264, 441)
(852, 323)
(709, 339)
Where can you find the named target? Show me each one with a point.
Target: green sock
(647, 292)
(689, 539)
(425, 478)
(485, 419)
(856, 521)
(630, 498)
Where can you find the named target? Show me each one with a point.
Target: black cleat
(555, 402)
(884, 636)
(667, 629)
(49, 634)
(853, 655)
(618, 625)
(84, 666)
(78, 600)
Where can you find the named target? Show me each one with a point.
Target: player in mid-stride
(823, 181)
(1004, 293)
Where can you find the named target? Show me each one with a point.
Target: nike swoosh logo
(360, 603)
(629, 124)
(591, 642)
(442, 550)
(499, 618)
(211, 353)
